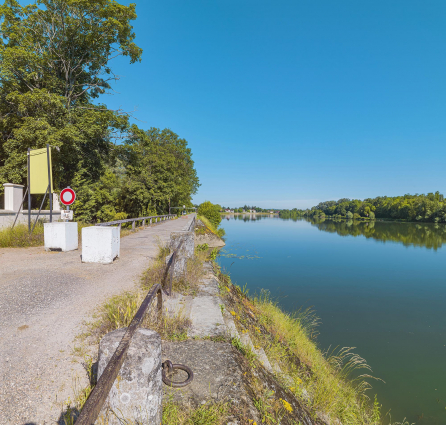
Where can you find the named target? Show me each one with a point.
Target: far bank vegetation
(418, 208)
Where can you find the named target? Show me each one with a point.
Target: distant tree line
(246, 208)
(55, 63)
(423, 208)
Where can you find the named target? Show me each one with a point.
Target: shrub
(211, 212)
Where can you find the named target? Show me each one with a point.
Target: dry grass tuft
(19, 237)
(119, 311)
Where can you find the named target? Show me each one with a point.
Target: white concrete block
(13, 196)
(100, 244)
(60, 236)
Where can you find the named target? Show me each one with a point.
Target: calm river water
(380, 287)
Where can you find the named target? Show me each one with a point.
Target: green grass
(206, 414)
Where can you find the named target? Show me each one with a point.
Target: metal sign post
(67, 197)
(50, 194)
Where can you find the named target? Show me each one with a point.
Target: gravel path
(44, 298)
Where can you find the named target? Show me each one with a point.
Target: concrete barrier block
(186, 240)
(136, 394)
(100, 244)
(184, 244)
(61, 236)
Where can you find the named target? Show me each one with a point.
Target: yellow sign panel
(38, 167)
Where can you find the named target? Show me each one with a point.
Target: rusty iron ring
(168, 368)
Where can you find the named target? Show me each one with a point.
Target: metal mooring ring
(168, 368)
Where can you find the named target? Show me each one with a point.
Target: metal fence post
(133, 225)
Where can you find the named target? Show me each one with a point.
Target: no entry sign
(67, 196)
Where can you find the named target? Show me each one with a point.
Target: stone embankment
(221, 372)
(45, 297)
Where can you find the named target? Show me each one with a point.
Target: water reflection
(249, 216)
(427, 235)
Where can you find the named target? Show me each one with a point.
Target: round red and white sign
(67, 196)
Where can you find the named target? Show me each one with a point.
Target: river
(379, 287)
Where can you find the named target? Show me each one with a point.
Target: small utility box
(59, 236)
(100, 244)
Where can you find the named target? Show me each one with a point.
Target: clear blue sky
(287, 103)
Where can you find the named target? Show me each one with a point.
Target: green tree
(159, 169)
(211, 212)
(54, 59)
(64, 46)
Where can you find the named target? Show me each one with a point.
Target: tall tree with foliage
(159, 172)
(55, 61)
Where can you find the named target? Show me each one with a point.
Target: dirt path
(44, 298)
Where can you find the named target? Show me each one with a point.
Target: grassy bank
(334, 386)
(209, 227)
